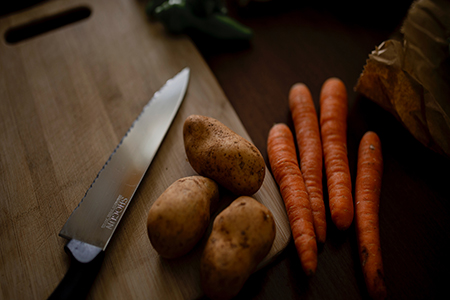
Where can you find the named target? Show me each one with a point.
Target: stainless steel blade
(100, 211)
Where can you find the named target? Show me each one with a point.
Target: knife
(92, 224)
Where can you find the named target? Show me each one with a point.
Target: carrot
(310, 149)
(367, 200)
(283, 161)
(333, 125)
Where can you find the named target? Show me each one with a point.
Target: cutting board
(67, 98)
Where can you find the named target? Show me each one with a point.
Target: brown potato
(215, 151)
(180, 216)
(241, 237)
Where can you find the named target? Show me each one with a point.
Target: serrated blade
(100, 211)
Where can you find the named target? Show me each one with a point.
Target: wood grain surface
(67, 98)
(294, 41)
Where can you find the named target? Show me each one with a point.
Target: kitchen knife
(92, 224)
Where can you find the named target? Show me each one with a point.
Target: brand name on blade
(116, 211)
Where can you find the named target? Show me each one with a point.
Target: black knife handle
(86, 261)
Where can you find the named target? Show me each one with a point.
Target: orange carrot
(283, 161)
(333, 125)
(367, 200)
(310, 149)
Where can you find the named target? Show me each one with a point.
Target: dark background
(310, 41)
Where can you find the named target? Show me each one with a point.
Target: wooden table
(310, 43)
(306, 42)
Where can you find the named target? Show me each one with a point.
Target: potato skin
(241, 237)
(216, 152)
(180, 216)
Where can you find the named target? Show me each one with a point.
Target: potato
(241, 237)
(215, 151)
(180, 216)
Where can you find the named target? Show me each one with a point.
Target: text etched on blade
(114, 215)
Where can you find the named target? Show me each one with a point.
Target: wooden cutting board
(67, 98)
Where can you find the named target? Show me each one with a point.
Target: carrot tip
(343, 227)
(333, 79)
(298, 84)
(310, 273)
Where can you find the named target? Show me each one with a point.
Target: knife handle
(86, 261)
